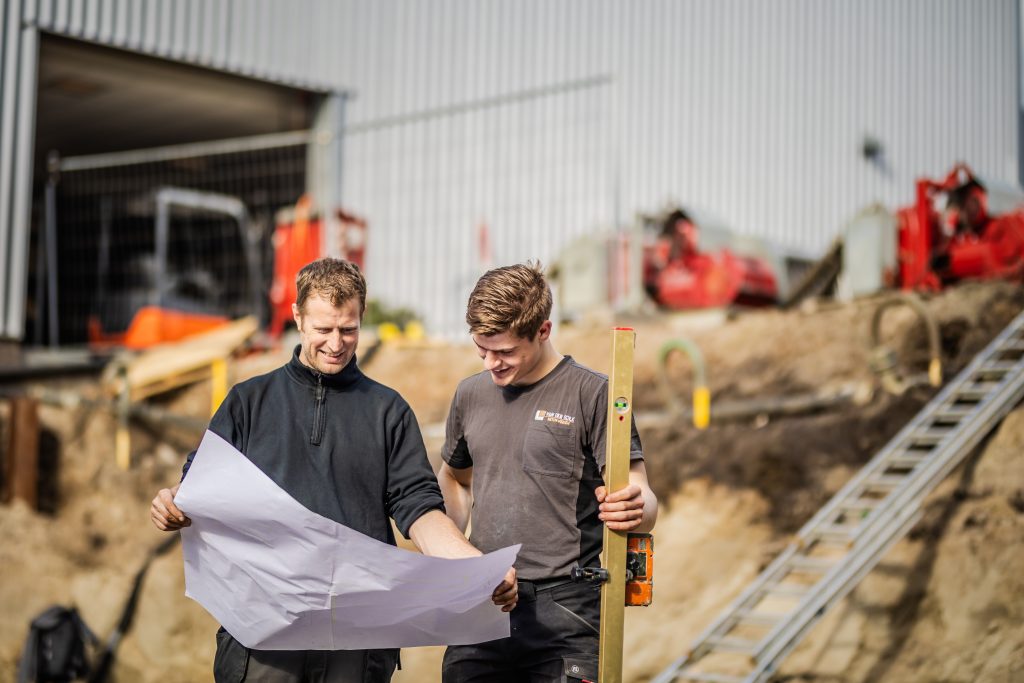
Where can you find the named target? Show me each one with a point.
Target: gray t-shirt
(536, 453)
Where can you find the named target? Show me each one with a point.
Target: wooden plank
(616, 476)
(23, 451)
(172, 365)
(165, 384)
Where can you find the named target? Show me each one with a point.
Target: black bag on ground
(57, 649)
(59, 643)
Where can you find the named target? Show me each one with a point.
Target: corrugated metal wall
(755, 111)
(265, 39)
(545, 120)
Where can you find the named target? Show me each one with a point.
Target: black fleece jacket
(344, 446)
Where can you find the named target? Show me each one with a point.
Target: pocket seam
(570, 445)
(575, 616)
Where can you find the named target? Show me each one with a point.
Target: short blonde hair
(335, 279)
(513, 299)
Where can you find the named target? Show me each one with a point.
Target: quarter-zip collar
(306, 375)
(320, 383)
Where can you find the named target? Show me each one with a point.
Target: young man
(345, 447)
(524, 451)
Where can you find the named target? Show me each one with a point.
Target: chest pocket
(550, 449)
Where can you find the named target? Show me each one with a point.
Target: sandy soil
(946, 603)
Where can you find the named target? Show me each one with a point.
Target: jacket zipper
(318, 413)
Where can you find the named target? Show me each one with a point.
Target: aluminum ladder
(851, 533)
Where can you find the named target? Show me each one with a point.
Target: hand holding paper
(279, 577)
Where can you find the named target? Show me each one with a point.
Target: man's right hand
(506, 595)
(165, 514)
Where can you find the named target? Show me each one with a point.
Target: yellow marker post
(616, 476)
(935, 372)
(218, 383)
(701, 393)
(122, 435)
(122, 447)
(701, 407)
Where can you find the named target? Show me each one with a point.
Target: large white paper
(279, 577)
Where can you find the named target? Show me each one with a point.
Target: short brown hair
(513, 299)
(334, 279)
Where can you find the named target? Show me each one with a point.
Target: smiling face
(328, 334)
(513, 360)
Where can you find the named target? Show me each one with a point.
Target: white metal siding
(753, 110)
(272, 40)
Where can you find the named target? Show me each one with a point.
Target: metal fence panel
(111, 211)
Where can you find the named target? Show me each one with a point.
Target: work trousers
(235, 663)
(553, 639)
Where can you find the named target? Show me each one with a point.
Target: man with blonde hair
(524, 452)
(342, 445)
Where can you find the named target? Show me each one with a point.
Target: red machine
(297, 241)
(962, 241)
(678, 275)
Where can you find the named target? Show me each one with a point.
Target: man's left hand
(506, 595)
(621, 510)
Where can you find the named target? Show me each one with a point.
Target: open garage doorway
(136, 199)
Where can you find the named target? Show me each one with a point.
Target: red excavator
(962, 240)
(959, 228)
(679, 274)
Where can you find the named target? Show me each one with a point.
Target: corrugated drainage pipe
(884, 360)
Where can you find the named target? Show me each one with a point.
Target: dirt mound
(733, 494)
(88, 552)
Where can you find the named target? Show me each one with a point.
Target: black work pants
(235, 663)
(554, 639)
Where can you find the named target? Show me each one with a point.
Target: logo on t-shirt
(558, 418)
